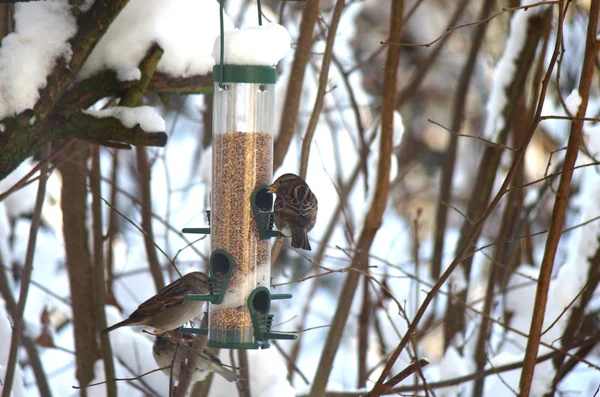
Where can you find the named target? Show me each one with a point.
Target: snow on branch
(144, 116)
(506, 75)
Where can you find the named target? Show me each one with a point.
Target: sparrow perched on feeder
(295, 208)
(169, 309)
(163, 350)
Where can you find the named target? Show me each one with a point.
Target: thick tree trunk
(79, 263)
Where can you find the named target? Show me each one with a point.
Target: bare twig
(185, 378)
(321, 91)
(483, 21)
(131, 98)
(375, 214)
(458, 111)
(560, 204)
(18, 320)
(379, 388)
(98, 268)
(28, 343)
(294, 90)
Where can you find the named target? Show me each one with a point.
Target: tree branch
(18, 320)
(98, 269)
(131, 98)
(560, 204)
(375, 214)
(291, 104)
(321, 90)
(379, 388)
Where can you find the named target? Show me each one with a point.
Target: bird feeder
(241, 217)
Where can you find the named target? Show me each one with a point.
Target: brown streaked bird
(169, 309)
(163, 351)
(295, 208)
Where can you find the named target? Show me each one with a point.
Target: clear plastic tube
(243, 124)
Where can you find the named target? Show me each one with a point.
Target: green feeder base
(234, 339)
(196, 331)
(262, 203)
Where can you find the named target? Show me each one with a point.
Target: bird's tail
(300, 240)
(117, 325)
(228, 374)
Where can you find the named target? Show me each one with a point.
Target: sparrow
(163, 350)
(169, 309)
(295, 208)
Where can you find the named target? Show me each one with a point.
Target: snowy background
(181, 179)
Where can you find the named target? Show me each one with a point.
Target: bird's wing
(172, 295)
(305, 202)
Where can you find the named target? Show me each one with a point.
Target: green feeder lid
(244, 74)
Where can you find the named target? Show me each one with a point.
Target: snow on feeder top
(243, 125)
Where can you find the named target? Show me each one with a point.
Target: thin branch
(466, 25)
(374, 216)
(119, 379)
(322, 88)
(131, 98)
(378, 388)
(28, 343)
(479, 138)
(458, 111)
(423, 69)
(185, 379)
(98, 268)
(561, 201)
(18, 320)
(293, 94)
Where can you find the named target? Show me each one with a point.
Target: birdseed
(241, 162)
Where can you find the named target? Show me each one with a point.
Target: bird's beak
(272, 189)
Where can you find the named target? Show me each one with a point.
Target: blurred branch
(490, 160)
(244, 384)
(459, 380)
(106, 84)
(82, 388)
(379, 387)
(201, 389)
(111, 233)
(561, 201)
(193, 358)
(422, 70)
(374, 216)
(98, 270)
(18, 320)
(344, 192)
(79, 263)
(131, 97)
(360, 129)
(510, 218)
(32, 352)
(458, 116)
(163, 84)
(466, 25)
(322, 88)
(576, 317)
(291, 105)
(363, 334)
(291, 364)
(16, 310)
(105, 129)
